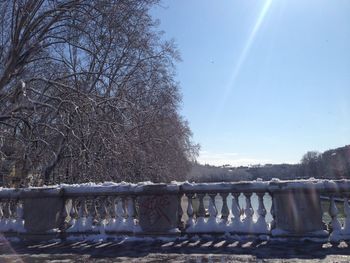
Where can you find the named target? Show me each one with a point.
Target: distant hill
(208, 173)
(332, 164)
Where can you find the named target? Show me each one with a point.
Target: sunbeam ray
(237, 68)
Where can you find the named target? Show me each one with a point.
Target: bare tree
(87, 92)
(312, 165)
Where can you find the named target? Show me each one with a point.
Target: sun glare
(237, 67)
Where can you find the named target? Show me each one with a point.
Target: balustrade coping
(147, 188)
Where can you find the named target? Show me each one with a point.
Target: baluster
(113, 208)
(190, 221)
(88, 202)
(103, 213)
(106, 209)
(14, 204)
(137, 227)
(73, 212)
(248, 211)
(120, 210)
(8, 215)
(180, 212)
(120, 214)
(235, 209)
(73, 215)
(136, 212)
(79, 215)
(130, 214)
(336, 226)
(113, 220)
(273, 214)
(4, 211)
(65, 216)
(224, 211)
(236, 222)
(2, 219)
(124, 214)
(201, 211)
(19, 217)
(346, 230)
(124, 205)
(95, 213)
(80, 208)
(261, 225)
(212, 210)
(84, 220)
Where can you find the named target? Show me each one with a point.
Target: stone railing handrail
(275, 208)
(332, 186)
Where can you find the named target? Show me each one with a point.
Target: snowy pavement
(175, 250)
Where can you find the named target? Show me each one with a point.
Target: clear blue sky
(263, 81)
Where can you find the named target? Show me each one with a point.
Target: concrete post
(298, 213)
(42, 210)
(158, 209)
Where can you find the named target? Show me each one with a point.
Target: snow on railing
(276, 208)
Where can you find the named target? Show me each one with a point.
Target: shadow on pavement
(141, 248)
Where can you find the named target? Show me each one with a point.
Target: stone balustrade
(303, 208)
(219, 208)
(11, 212)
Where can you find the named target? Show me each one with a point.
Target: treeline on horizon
(331, 164)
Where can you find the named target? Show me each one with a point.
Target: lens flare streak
(246, 50)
